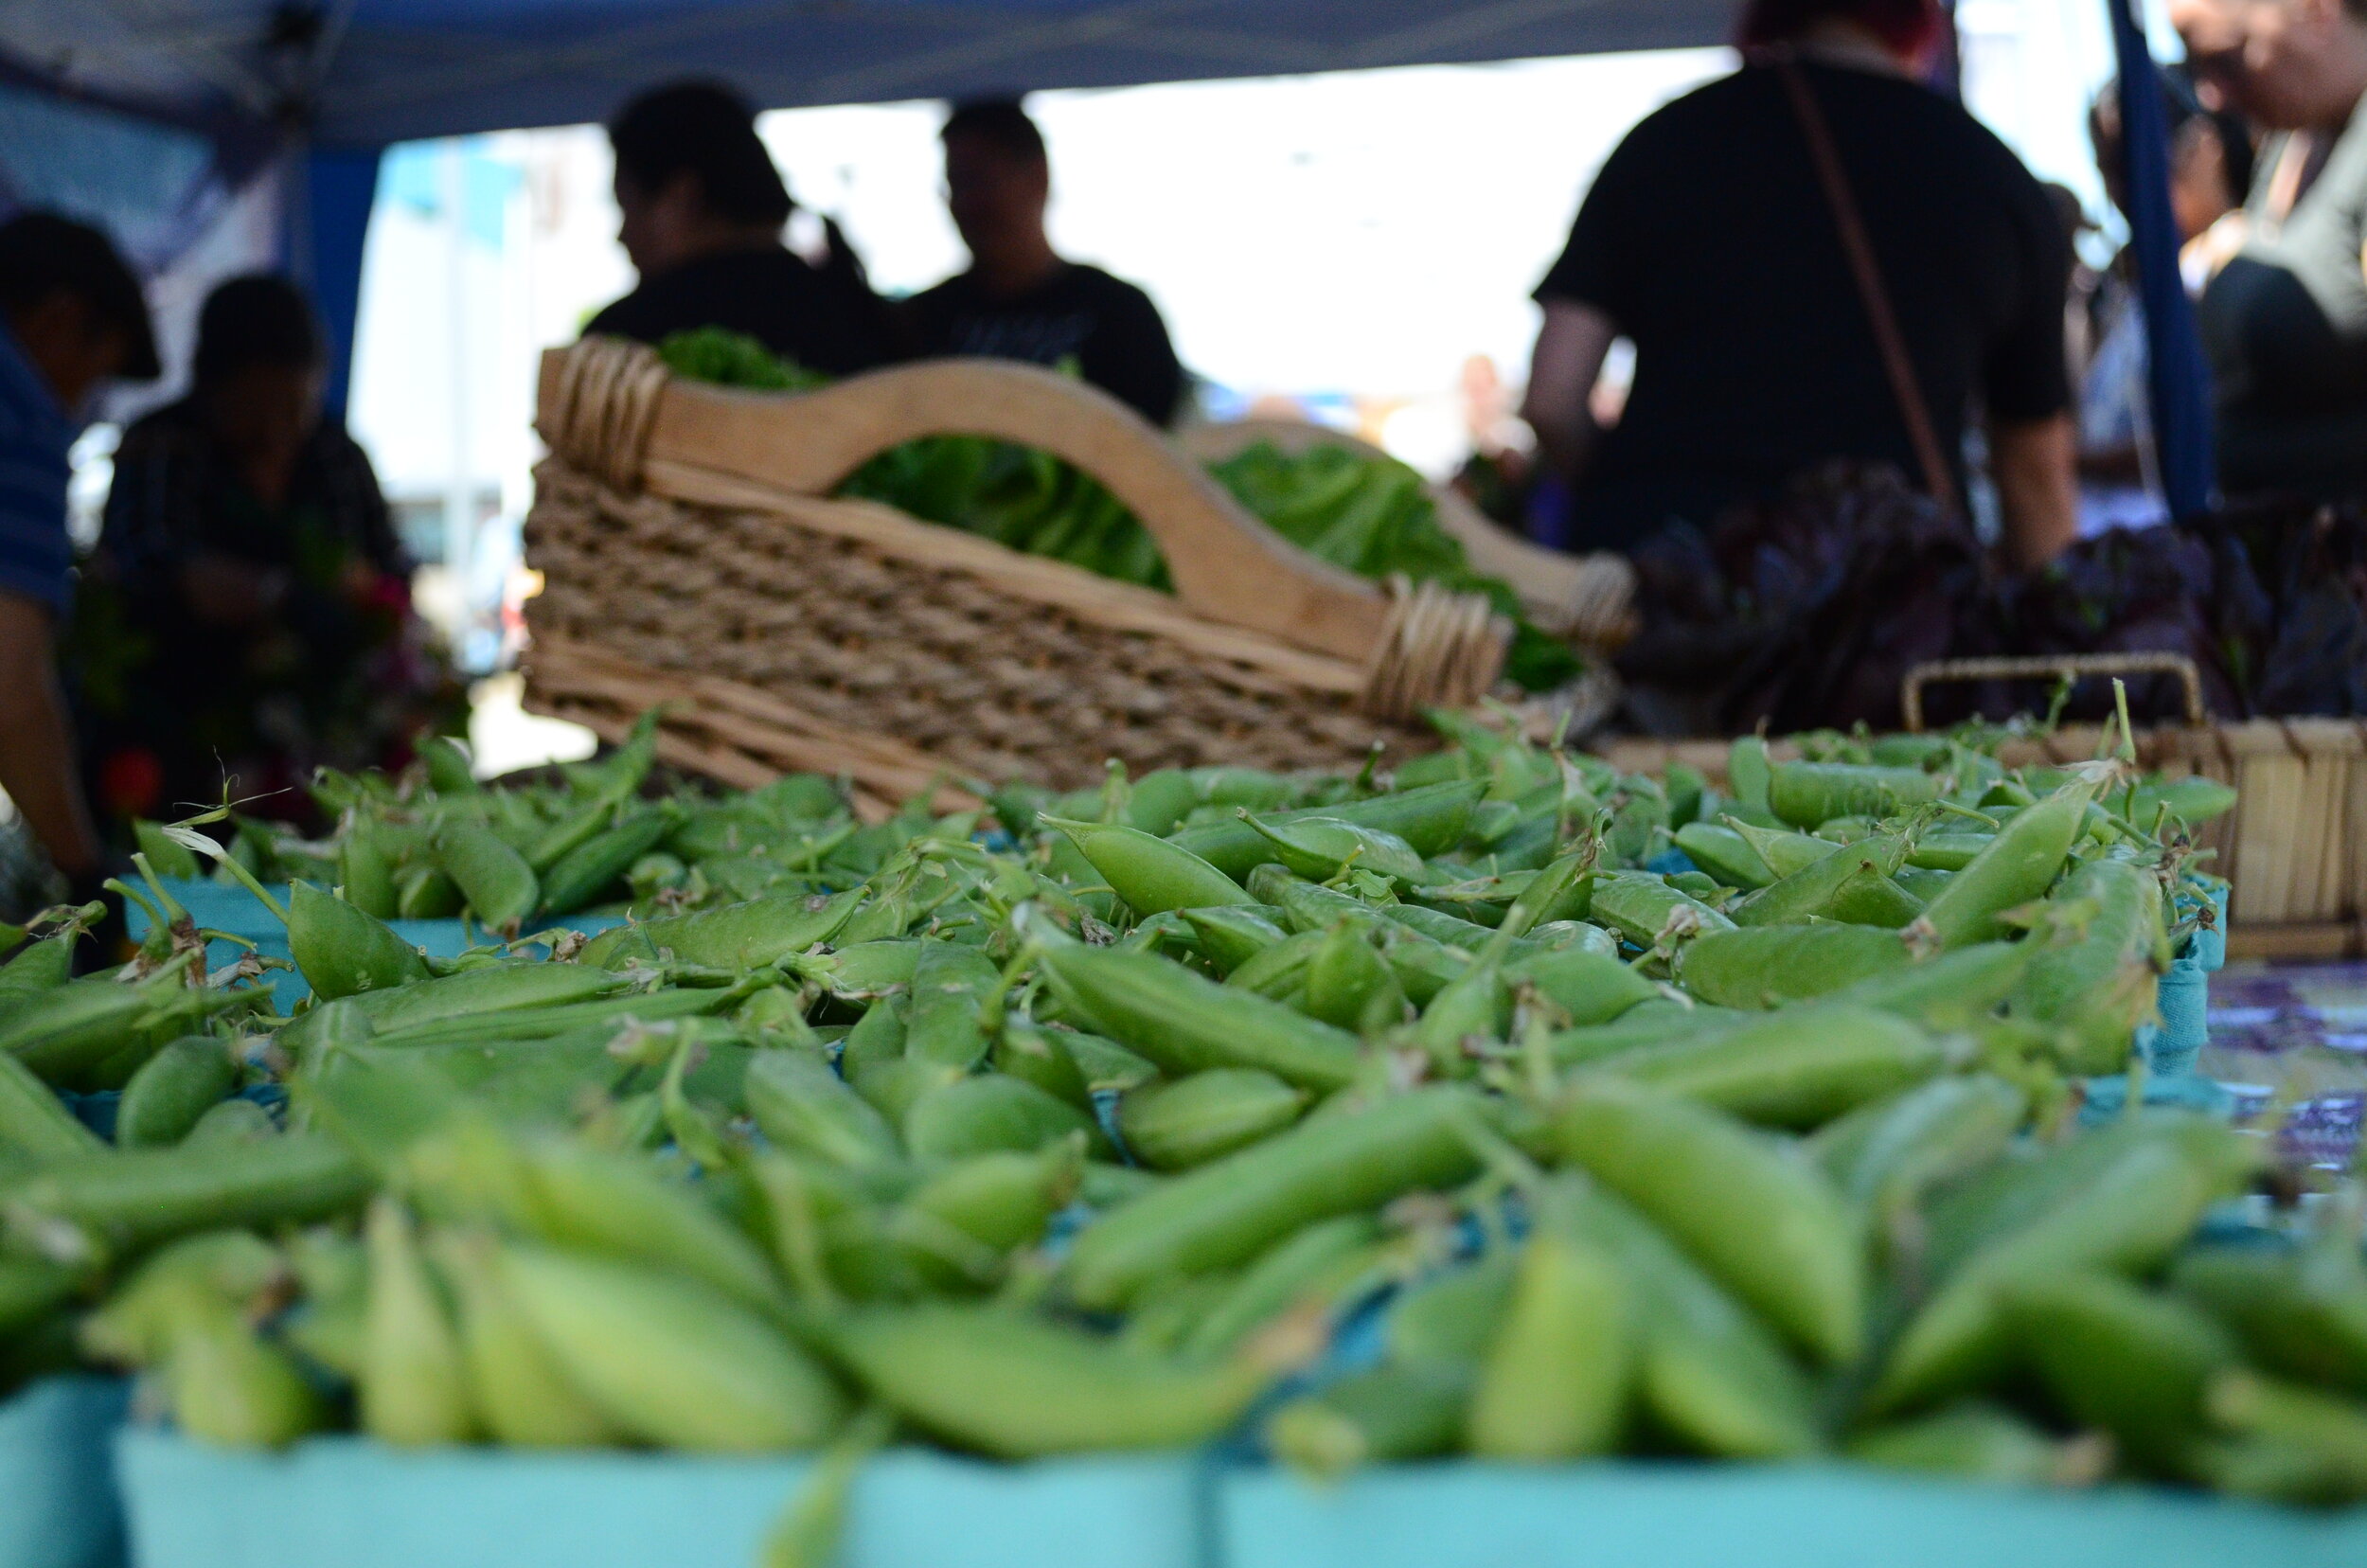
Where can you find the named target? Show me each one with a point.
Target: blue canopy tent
(160, 118)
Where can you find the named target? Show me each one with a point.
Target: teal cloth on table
(348, 1503)
(1467, 1515)
(229, 908)
(58, 1501)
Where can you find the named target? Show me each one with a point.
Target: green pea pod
(1784, 852)
(1421, 968)
(871, 969)
(2120, 1207)
(515, 1386)
(366, 869)
(877, 1038)
(801, 1105)
(2019, 866)
(1885, 1155)
(1322, 1260)
(500, 887)
(1769, 965)
(42, 967)
(1747, 772)
(414, 1385)
(896, 1086)
(1160, 800)
(2122, 1360)
(35, 1123)
(1041, 1057)
(2193, 800)
(1816, 888)
(735, 936)
(1449, 1320)
(231, 1124)
(669, 1360)
(136, 1198)
(2123, 926)
(1953, 990)
(341, 951)
(950, 986)
(1798, 1067)
(1709, 1371)
(1869, 896)
(1279, 973)
(980, 1116)
(1190, 1121)
(176, 1086)
(1750, 1211)
(1350, 985)
(1810, 794)
(32, 1288)
(1381, 1416)
(1472, 1010)
(1017, 1387)
(1321, 847)
(999, 1200)
(1227, 1212)
(620, 1207)
(1184, 1022)
(1229, 937)
(1646, 1024)
(1556, 1381)
(1948, 851)
(611, 1012)
(1431, 818)
(1978, 1442)
(1644, 908)
(2298, 1444)
(1588, 987)
(425, 893)
(1724, 854)
(224, 1384)
(582, 874)
(447, 765)
(1150, 875)
(2301, 1313)
(1922, 885)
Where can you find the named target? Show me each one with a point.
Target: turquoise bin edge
(59, 1506)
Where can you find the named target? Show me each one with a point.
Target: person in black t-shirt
(703, 209)
(1708, 241)
(1020, 300)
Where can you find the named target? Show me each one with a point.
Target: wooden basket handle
(1226, 564)
(2039, 665)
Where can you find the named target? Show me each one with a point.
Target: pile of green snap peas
(1627, 1113)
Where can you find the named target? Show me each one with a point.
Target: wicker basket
(689, 558)
(2295, 846)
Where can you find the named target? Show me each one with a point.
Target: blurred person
(246, 616)
(2211, 170)
(704, 209)
(1019, 299)
(71, 319)
(1709, 240)
(2284, 321)
(2213, 33)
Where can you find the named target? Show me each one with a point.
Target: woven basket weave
(689, 559)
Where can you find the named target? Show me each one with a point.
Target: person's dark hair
(260, 319)
(41, 254)
(1001, 123)
(706, 130)
(1900, 24)
(2183, 109)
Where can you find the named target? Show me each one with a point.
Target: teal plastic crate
(355, 1504)
(58, 1501)
(232, 909)
(1743, 1516)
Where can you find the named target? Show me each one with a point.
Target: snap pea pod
(1190, 1121)
(1229, 937)
(44, 966)
(473, 994)
(1022, 1388)
(1226, 1212)
(1749, 773)
(1431, 818)
(340, 951)
(1752, 1212)
(1380, 1416)
(546, 1023)
(801, 1105)
(1555, 1383)
(1184, 1022)
(1948, 851)
(365, 868)
(1588, 987)
(1785, 853)
(514, 1385)
(669, 1359)
(137, 1196)
(743, 936)
(1644, 908)
(1870, 896)
(2300, 1312)
(2122, 1360)
(2296, 1444)
(2021, 863)
(1724, 854)
(1350, 985)
(1810, 794)
(1320, 847)
(1884, 1156)
(2124, 927)
(176, 1086)
(980, 1116)
(1979, 1442)
(1815, 888)
(500, 887)
(589, 869)
(1952, 992)
(2129, 1205)
(1767, 964)
(414, 1383)
(35, 1123)
(1323, 1256)
(1150, 875)
(1799, 1067)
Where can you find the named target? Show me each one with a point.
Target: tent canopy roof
(376, 71)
